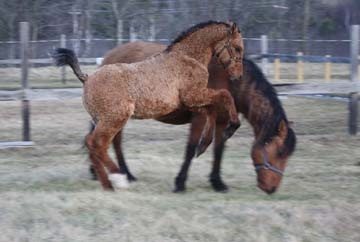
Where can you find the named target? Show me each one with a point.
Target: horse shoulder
(196, 74)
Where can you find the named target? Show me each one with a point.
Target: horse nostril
(235, 80)
(272, 190)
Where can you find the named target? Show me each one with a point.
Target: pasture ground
(49, 77)
(46, 193)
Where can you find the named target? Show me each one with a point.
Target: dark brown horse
(254, 97)
(175, 78)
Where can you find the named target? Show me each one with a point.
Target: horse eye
(281, 153)
(237, 49)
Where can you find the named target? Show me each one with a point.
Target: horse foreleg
(219, 146)
(207, 133)
(120, 157)
(225, 100)
(198, 121)
(219, 99)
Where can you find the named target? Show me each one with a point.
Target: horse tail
(64, 57)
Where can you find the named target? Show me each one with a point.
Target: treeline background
(164, 19)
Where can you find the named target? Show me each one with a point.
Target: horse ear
(291, 124)
(283, 130)
(234, 28)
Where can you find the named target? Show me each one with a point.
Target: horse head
(229, 52)
(270, 158)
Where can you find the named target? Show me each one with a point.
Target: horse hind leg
(91, 166)
(96, 167)
(98, 143)
(120, 157)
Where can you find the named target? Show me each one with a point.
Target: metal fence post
(24, 52)
(264, 51)
(300, 67)
(152, 32)
(119, 31)
(327, 74)
(277, 69)
(133, 35)
(354, 97)
(63, 68)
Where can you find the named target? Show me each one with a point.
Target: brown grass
(46, 194)
(50, 77)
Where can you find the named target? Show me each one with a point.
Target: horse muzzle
(269, 190)
(235, 79)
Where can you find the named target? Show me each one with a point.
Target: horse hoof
(179, 185)
(179, 190)
(119, 181)
(230, 130)
(92, 172)
(220, 188)
(218, 185)
(131, 178)
(93, 177)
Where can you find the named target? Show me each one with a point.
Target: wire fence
(98, 47)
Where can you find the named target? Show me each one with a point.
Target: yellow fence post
(277, 69)
(327, 68)
(300, 67)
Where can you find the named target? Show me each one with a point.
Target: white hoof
(119, 181)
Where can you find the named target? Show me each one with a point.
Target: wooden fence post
(63, 68)
(24, 52)
(354, 97)
(353, 112)
(327, 68)
(300, 67)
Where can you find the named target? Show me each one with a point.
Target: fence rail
(45, 61)
(307, 58)
(98, 46)
(288, 89)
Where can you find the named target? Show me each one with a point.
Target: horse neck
(258, 108)
(260, 114)
(200, 44)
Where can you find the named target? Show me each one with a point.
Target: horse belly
(153, 104)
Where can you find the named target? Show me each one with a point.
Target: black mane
(191, 30)
(272, 121)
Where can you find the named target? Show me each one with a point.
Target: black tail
(64, 57)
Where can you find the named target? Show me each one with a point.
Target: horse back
(132, 52)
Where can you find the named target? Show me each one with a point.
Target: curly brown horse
(254, 97)
(157, 86)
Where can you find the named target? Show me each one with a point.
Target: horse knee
(89, 141)
(225, 96)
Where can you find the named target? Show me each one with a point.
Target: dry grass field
(50, 77)
(46, 193)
